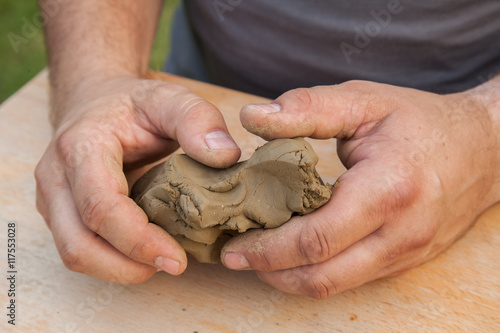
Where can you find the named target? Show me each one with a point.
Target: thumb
(321, 112)
(174, 112)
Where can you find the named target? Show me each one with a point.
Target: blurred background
(22, 48)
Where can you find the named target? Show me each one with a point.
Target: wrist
(65, 102)
(81, 55)
(487, 96)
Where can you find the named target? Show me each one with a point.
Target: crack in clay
(203, 207)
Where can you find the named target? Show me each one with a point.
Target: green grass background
(18, 68)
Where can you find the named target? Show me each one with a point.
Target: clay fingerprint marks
(288, 167)
(203, 207)
(275, 182)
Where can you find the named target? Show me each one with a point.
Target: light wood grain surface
(457, 291)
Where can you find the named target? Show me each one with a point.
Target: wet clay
(203, 207)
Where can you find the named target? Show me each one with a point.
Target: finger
(83, 251)
(100, 192)
(391, 250)
(321, 112)
(359, 205)
(174, 112)
(353, 267)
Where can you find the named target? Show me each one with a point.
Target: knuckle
(93, 211)
(138, 249)
(320, 286)
(305, 97)
(41, 207)
(367, 101)
(41, 179)
(45, 179)
(40, 173)
(265, 263)
(401, 193)
(65, 143)
(72, 257)
(77, 144)
(160, 90)
(358, 85)
(191, 106)
(169, 89)
(142, 245)
(407, 189)
(422, 238)
(48, 173)
(195, 107)
(360, 92)
(317, 242)
(417, 241)
(364, 88)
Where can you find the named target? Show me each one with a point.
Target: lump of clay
(202, 207)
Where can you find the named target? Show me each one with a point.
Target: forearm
(93, 40)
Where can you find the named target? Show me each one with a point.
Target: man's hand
(421, 168)
(106, 121)
(82, 192)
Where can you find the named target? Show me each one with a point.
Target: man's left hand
(421, 168)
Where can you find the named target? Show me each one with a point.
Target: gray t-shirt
(268, 47)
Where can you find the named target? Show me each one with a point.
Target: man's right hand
(112, 130)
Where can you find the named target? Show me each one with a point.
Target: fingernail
(267, 108)
(168, 265)
(219, 140)
(235, 261)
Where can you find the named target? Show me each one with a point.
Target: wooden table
(457, 291)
